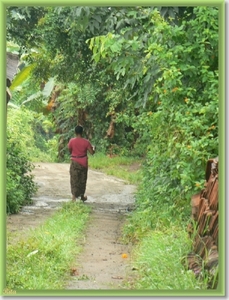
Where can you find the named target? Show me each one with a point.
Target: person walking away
(78, 148)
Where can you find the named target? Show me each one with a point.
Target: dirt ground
(101, 264)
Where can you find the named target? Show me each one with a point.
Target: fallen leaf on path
(74, 272)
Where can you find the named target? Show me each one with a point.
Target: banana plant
(23, 75)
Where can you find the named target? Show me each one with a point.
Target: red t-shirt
(79, 147)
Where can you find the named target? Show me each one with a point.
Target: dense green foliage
(20, 185)
(184, 128)
(20, 24)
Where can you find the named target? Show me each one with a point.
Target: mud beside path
(100, 265)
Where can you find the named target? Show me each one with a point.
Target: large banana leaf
(13, 105)
(48, 87)
(21, 77)
(46, 92)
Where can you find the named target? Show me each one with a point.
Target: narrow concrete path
(101, 264)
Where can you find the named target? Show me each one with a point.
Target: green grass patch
(126, 168)
(158, 262)
(44, 259)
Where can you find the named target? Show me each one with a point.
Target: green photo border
(221, 290)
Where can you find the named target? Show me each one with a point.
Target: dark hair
(79, 129)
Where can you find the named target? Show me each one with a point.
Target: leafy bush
(45, 142)
(21, 150)
(19, 129)
(19, 183)
(33, 133)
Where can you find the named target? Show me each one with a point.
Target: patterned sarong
(78, 179)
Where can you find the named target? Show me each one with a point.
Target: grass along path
(126, 168)
(44, 259)
(159, 262)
